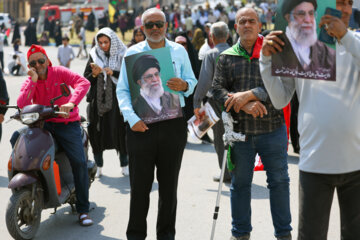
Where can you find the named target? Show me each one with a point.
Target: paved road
(109, 195)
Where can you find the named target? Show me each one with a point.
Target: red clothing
(43, 91)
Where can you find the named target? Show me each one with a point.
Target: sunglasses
(40, 61)
(150, 25)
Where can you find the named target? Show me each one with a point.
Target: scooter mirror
(65, 90)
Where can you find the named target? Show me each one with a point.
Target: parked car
(4, 18)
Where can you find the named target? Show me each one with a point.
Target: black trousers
(219, 131)
(161, 146)
(2, 60)
(316, 193)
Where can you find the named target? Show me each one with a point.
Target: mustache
(306, 25)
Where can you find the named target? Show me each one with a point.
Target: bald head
(245, 11)
(152, 11)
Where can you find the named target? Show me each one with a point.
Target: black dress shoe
(226, 179)
(206, 139)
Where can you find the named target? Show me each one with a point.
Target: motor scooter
(40, 175)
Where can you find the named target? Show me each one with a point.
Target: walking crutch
(217, 207)
(229, 137)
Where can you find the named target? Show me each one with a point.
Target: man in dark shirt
(238, 86)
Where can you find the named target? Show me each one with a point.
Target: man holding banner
(160, 144)
(328, 124)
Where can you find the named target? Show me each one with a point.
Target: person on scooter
(42, 85)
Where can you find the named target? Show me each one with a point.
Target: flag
(111, 13)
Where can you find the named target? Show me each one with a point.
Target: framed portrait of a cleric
(147, 74)
(309, 52)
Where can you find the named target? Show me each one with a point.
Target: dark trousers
(315, 199)
(100, 160)
(68, 136)
(161, 146)
(2, 60)
(15, 69)
(219, 131)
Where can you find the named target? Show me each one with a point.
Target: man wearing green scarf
(238, 86)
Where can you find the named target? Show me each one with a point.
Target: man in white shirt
(329, 116)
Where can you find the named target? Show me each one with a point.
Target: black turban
(289, 5)
(142, 64)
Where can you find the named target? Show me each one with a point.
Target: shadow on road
(200, 147)
(257, 192)
(64, 225)
(121, 183)
(3, 182)
(293, 159)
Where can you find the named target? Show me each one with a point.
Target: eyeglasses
(40, 61)
(150, 77)
(302, 14)
(150, 25)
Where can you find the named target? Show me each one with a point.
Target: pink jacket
(43, 91)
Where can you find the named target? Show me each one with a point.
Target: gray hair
(237, 16)
(151, 11)
(219, 30)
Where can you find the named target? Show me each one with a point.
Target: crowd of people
(232, 74)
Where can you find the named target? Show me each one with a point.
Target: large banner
(308, 52)
(147, 74)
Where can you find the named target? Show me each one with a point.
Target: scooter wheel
(23, 223)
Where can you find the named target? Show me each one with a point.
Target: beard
(155, 40)
(152, 90)
(303, 37)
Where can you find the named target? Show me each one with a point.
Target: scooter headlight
(28, 118)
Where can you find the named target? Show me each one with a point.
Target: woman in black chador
(107, 127)
(16, 34)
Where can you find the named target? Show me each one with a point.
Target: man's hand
(255, 108)
(197, 113)
(1, 118)
(334, 26)
(108, 71)
(33, 74)
(177, 84)
(140, 126)
(96, 70)
(66, 108)
(272, 43)
(238, 100)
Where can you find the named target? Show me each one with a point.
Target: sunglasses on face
(150, 25)
(40, 61)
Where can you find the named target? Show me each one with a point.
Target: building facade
(22, 10)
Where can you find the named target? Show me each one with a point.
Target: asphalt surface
(110, 195)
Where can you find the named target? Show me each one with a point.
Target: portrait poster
(148, 72)
(199, 127)
(305, 54)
